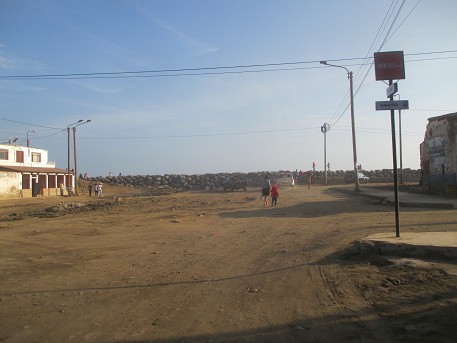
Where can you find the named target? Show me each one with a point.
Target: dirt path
(214, 267)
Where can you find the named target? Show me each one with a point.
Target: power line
(386, 38)
(194, 71)
(414, 7)
(199, 135)
(375, 130)
(29, 124)
(159, 75)
(181, 70)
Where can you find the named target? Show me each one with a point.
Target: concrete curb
(367, 246)
(403, 203)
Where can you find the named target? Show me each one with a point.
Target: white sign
(392, 105)
(392, 89)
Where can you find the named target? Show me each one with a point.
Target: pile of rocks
(180, 182)
(183, 182)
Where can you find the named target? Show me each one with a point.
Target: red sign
(389, 65)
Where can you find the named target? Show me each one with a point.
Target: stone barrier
(180, 182)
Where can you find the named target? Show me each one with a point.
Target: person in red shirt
(274, 195)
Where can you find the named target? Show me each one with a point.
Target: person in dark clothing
(266, 186)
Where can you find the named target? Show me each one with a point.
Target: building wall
(28, 184)
(27, 153)
(10, 185)
(438, 156)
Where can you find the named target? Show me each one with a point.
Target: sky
(219, 86)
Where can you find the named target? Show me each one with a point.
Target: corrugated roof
(21, 169)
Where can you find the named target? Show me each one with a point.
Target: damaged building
(438, 155)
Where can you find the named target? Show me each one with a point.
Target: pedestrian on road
(91, 186)
(274, 195)
(266, 187)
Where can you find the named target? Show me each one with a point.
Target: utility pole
(324, 129)
(354, 144)
(69, 183)
(74, 156)
(74, 153)
(28, 140)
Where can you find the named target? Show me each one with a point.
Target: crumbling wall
(10, 184)
(438, 156)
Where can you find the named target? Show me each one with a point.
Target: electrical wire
(35, 125)
(128, 74)
(193, 71)
(386, 38)
(414, 7)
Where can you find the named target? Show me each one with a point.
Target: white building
(26, 172)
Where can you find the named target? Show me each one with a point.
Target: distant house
(439, 155)
(26, 172)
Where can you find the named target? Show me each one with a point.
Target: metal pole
(28, 140)
(400, 141)
(354, 144)
(74, 153)
(324, 129)
(68, 155)
(354, 148)
(394, 153)
(325, 156)
(401, 152)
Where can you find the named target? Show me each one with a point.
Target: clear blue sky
(226, 119)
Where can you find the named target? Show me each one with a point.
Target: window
(36, 157)
(25, 181)
(19, 156)
(3, 154)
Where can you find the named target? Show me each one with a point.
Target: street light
(399, 133)
(354, 146)
(74, 153)
(28, 141)
(324, 129)
(68, 153)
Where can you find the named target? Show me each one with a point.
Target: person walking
(61, 189)
(91, 186)
(274, 195)
(266, 187)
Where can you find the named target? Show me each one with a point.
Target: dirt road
(215, 267)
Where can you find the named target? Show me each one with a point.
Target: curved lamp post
(68, 152)
(354, 147)
(74, 152)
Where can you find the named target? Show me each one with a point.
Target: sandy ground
(216, 267)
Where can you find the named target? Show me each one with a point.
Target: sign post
(394, 157)
(391, 66)
(392, 105)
